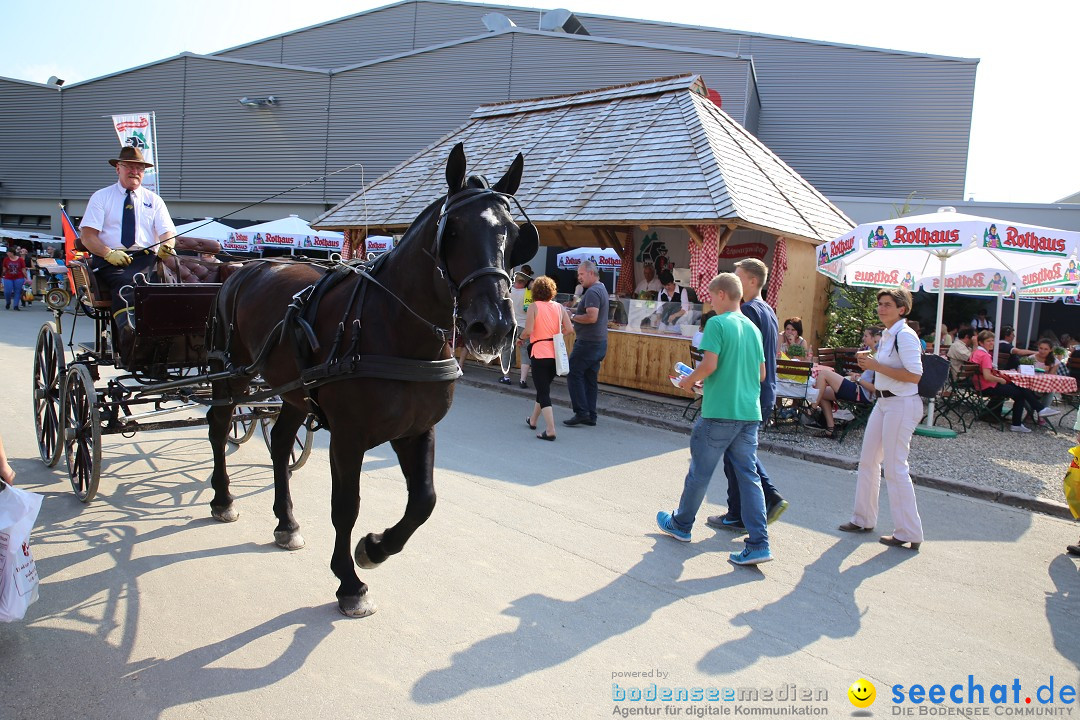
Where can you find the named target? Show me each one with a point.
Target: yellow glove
(118, 257)
(165, 251)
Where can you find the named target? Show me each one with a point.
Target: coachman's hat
(130, 154)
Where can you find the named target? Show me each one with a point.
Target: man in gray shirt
(590, 320)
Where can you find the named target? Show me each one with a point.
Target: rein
(299, 317)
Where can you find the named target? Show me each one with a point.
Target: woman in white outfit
(887, 441)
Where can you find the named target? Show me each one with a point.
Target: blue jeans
(734, 502)
(585, 361)
(13, 289)
(709, 441)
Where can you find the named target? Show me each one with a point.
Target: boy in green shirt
(732, 370)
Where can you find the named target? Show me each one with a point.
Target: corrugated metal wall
(379, 33)
(851, 121)
(29, 136)
(241, 153)
(382, 114)
(88, 136)
(550, 65)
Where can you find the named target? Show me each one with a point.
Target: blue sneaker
(664, 522)
(751, 557)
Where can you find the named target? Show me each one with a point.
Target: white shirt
(105, 213)
(908, 357)
(684, 297)
(517, 299)
(649, 286)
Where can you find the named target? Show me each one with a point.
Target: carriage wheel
(301, 448)
(82, 433)
(241, 429)
(49, 369)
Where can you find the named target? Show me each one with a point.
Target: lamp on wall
(258, 101)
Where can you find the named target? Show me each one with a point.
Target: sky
(1025, 146)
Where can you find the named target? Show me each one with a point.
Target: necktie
(127, 226)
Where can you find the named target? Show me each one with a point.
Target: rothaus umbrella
(911, 251)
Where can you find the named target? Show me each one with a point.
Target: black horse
(450, 269)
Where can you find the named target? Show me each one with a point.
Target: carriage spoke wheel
(49, 369)
(82, 433)
(241, 429)
(301, 447)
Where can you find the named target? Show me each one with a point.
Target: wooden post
(694, 234)
(600, 238)
(613, 238)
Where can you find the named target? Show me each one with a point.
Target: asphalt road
(538, 585)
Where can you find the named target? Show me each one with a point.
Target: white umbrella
(207, 229)
(294, 232)
(911, 251)
(605, 259)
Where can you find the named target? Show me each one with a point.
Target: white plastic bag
(562, 360)
(18, 573)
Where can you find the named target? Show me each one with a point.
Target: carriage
(86, 390)
(378, 333)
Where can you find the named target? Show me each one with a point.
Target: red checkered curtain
(704, 260)
(347, 246)
(776, 274)
(625, 287)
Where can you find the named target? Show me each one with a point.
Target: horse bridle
(453, 202)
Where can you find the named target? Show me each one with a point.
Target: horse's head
(477, 242)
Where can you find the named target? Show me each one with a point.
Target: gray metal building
(378, 86)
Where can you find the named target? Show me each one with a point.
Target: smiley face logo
(862, 693)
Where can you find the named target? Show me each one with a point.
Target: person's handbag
(28, 295)
(935, 371)
(562, 360)
(18, 573)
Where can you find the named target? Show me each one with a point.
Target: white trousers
(887, 442)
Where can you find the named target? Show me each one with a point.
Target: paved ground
(539, 581)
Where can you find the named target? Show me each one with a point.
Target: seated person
(856, 387)
(125, 225)
(870, 338)
(914, 325)
(1009, 355)
(696, 340)
(1048, 362)
(676, 301)
(791, 337)
(991, 385)
(960, 350)
(650, 284)
(831, 385)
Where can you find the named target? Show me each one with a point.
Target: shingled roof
(654, 153)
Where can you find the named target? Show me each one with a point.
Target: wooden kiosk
(655, 171)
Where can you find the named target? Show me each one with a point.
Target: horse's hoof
(225, 514)
(361, 555)
(357, 607)
(288, 540)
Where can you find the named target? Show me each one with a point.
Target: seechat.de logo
(862, 693)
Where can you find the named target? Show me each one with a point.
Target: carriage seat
(193, 268)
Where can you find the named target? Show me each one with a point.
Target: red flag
(71, 235)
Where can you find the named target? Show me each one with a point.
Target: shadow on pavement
(553, 631)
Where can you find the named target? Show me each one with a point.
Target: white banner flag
(138, 131)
